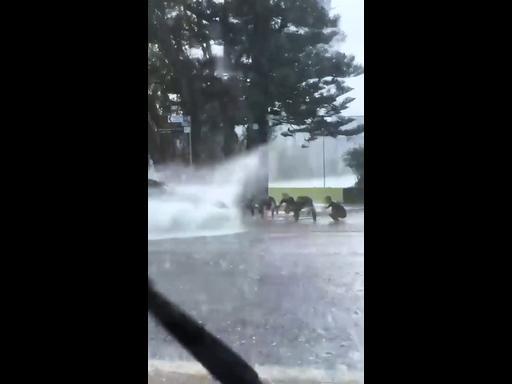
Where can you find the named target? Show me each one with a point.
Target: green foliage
(354, 159)
(271, 50)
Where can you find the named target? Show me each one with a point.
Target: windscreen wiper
(222, 362)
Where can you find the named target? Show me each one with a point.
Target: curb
(181, 372)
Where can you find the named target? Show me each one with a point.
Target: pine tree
(278, 47)
(276, 68)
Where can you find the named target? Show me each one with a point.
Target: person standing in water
(295, 206)
(337, 210)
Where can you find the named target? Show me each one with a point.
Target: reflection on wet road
(280, 293)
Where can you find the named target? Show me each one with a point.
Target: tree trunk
(195, 130)
(230, 141)
(261, 76)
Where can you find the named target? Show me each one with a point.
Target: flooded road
(280, 293)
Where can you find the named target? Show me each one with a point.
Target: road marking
(272, 373)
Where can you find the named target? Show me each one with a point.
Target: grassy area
(317, 194)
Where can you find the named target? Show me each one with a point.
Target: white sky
(352, 23)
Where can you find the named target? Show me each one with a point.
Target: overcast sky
(352, 23)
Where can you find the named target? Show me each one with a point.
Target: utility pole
(323, 155)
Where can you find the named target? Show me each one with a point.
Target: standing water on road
(285, 289)
(286, 296)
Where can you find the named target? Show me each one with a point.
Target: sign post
(323, 155)
(180, 123)
(175, 118)
(187, 128)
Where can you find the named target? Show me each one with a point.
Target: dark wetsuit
(297, 205)
(337, 211)
(249, 206)
(267, 202)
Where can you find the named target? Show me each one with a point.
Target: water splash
(202, 201)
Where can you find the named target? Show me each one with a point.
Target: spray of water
(202, 201)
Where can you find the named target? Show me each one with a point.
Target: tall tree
(183, 33)
(354, 159)
(270, 51)
(278, 47)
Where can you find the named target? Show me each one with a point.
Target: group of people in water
(268, 203)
